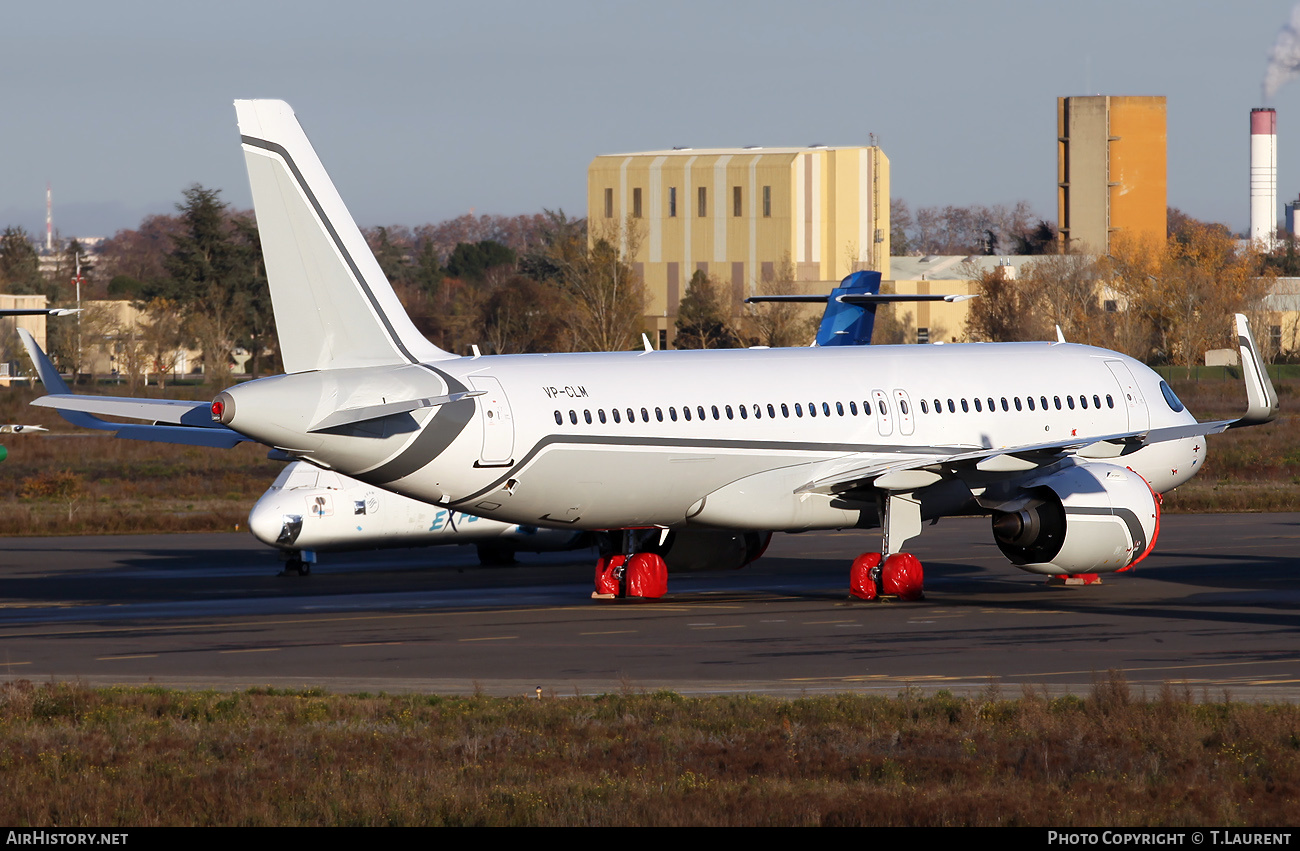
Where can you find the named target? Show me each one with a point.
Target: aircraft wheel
(901, 576)
(863, 576)
(295, 565)
(609, 577)
(646, 576)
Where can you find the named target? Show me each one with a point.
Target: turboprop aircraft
(1065, 446)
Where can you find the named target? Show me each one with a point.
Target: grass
(74, 482)
(73, 756)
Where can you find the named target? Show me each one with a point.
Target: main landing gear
(888, 573)
(634, 572)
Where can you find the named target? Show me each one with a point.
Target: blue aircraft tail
(848, 321)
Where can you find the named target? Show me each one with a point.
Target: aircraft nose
(271, 524)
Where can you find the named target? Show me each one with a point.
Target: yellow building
(1111, 169)
(12, 356)
(743, 216)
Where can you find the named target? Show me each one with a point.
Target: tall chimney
(1263, 175)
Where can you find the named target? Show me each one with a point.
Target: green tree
(701, 321)
(20, 265)
(217, 281)
(472, 261)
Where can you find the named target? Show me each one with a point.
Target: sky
(422, 111)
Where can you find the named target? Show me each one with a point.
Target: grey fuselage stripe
(338, 242)
(702, 443)
(445, 426)
(1130, 519)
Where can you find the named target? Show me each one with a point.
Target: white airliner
(1065, 446)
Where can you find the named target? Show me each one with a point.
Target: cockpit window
(1170, 398)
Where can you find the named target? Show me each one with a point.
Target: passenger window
(826, 409)
(771, 412)
(559, 418)
(965, 409)
(798, 411)
(744, 412)
(715, 413)
(600, 414)
(699, 409)
(853, 407)
(1029, 400)
(616, 417)
(1083, 402)
(1005, 406)
(812, 409)
(925, 409)
(785, 411)
(1110, 403)
(686, 412)
(659, 414)
(992, 407)
(672, 414)
(1069, 401)
(952, 408)
(979, 407)
(938, 407)
(645, 415)
(1057, 400)
(1096, 401)
(839, 408)
(631, 415)
(729, 416)
(1017, 401)
(586, 415)
(573, 416)
(1043, 400)
(881, 407)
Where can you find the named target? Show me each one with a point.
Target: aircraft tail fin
(334, 307)
(846, 323)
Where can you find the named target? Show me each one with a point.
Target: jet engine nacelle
(1086, 518)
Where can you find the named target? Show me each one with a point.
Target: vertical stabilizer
(333, 306)
(847, 322)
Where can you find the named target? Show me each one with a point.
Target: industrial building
(742, 216)
(1111, 170)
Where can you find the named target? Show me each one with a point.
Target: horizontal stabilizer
(194, 420)
(218, 438)
(40, 311)
(348, 416)
(192, 414)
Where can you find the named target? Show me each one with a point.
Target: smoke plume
(1284, 58)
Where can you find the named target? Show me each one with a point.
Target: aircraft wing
(920, 470)
(190, 422)
(902, 474)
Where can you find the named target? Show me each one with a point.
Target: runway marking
(12, 664)
(609, 632)
(131, 656)
(374, 644)
(492, 638)
(1235, 664)
(722, 626)
(812, 623)
(253, 650)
